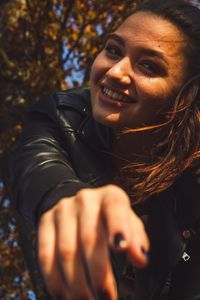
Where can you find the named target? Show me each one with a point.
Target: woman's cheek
(153, 89)
(98, 70)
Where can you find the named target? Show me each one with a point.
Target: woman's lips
(103, 97)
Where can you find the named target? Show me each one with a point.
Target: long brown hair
(180, 146)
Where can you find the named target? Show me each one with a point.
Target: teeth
(115, 95)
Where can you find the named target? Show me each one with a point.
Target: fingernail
(119, 241)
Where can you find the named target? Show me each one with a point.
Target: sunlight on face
(138, 73)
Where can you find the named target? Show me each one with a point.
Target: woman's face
(138, 73)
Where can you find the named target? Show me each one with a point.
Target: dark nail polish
(119, 241)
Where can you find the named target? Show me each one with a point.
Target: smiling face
(138, 73)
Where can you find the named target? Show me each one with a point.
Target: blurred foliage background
(45, 46)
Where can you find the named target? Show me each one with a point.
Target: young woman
(110, 175)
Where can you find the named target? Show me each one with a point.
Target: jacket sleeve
(41, 172)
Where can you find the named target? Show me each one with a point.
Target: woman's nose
(121, 72)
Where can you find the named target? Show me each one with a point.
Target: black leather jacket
(63, 149)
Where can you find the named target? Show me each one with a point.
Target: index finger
(124, 228)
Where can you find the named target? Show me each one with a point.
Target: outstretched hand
(74, 238)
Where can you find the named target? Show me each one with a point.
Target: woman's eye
(113, 51)
(150, 68)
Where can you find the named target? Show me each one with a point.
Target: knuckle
(63, 203)
(116, 202)
(114, 194)
(114, 189)
(110, 203)
(83, 194)
(84, 200)
(59, 208)
(88, 238)
(44, 219)
(81, 201)
(66, 254)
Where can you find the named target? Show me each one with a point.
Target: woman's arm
(41, 173)
(76, 223)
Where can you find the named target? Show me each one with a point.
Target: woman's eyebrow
(154, 53)
(116, 38)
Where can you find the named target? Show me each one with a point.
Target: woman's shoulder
(77, 99)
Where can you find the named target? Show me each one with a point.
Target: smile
(115, 96)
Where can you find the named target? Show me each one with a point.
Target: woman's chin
(107, 120)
